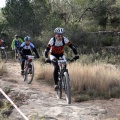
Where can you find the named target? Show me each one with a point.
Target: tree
(41, 11)
(18, 14)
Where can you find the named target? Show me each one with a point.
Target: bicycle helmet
(2, 33)
(16, 36)
(59, 30)
(27, 38)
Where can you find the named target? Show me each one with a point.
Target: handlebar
(69, 60)
(2, 48)
(73, 59)
(30, 57)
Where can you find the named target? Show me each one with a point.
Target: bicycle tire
(67, 88)
(17, 57)
(31, 74)
(4, 56)
(59, 91)
(24, 74)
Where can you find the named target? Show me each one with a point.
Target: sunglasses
(59, 35)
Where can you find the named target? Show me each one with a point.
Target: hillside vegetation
(91, 25)
(82, 20)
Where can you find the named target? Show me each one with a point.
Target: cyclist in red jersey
(56, 49)
(2, 43)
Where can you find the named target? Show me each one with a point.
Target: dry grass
(101, 80)
(95, 80)
(43, 71)
(100, 77)
(2, 69)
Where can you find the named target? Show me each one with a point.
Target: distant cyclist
(17, 41)
(55, 47)
(26, 48)
(2, 43)
(3, 35)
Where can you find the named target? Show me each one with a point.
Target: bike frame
(27, 62)
(62, 67)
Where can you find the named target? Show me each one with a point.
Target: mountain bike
(29, 69)
(3, 54)
(64, 79)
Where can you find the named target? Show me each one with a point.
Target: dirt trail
(38, 101)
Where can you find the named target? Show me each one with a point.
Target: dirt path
(38, 101)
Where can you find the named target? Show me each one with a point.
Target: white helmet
(59, 30)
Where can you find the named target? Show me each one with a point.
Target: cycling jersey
(56, 47)
(26, 49)
(16, 43)
(1, 42)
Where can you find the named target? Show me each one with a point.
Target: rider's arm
(67, 42)
(20, 49)
(73, 48)
(21, 41)
(34, 49)
(48, 47)
(47, 51)
(12, 45)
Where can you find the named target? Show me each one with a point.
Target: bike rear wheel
(3, 56)
(29, 73)
(17, 56)
(67, 87)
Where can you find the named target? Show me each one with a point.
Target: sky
(2, 3)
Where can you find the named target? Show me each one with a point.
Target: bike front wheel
(67, 87)
(59, 90)
(29, 73)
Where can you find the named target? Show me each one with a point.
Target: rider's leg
(15, 53)
(55, 73)
(56, 68)
(64, 58)
(22, 65)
